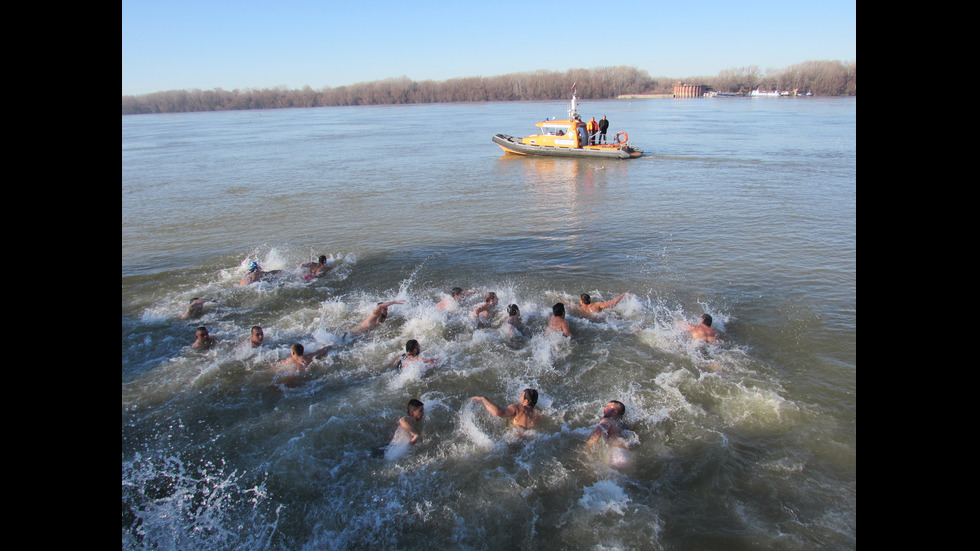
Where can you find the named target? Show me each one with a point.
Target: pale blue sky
(207, 44)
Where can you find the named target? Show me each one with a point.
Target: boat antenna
(573, 106)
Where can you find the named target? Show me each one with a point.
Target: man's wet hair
(323, 259)
(456, 291)
(586, 299)
(619, 406)
(412, 346)
(531, 395)
(558, 309)
(490, 296)
(298, 349)
(414, 405)
(513, 310)
(706, 319)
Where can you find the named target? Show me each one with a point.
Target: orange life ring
(625, 136)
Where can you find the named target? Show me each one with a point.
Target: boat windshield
(554, 130)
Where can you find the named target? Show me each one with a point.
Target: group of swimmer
(522, 414)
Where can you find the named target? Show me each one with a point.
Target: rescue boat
(567, 138)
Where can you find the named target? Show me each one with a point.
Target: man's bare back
(592, 308)
(378, 315)
(557, 321)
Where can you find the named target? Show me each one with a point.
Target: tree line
(823, 78)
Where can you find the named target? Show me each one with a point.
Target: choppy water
(741, 208)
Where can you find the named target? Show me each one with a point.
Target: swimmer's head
(491, 297)
(585, 298)
(531, 395)
(257, 334)
(297, 349)
(614, 408)
(412, 347)
(252, 266)
(323, 259)
(706, 319)
(513, 310)
(416, 406)
(201, 331)
(456, 292)
(558, 309)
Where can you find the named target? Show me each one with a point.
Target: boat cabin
(564, 133)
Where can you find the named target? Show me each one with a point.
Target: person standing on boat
(593, 128)
(603, 126)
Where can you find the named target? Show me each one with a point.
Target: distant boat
(567, 138)
(761, 94)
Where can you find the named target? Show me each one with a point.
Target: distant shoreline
(644, 96)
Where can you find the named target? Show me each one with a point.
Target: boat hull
(510, 144)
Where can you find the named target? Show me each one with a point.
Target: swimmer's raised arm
(509, 411)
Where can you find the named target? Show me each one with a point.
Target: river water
(742, 208)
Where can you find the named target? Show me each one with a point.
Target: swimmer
(513, 324)
(611, 426)
(377, 317)
(593, 308)
(456, 295)
(202, 339)
(316, 269)
(485, 310)
(408, 429)
(256, 273)
(256, 336)
(412, 351)
(298, 361)
(557, 321)
(523, 415)
(196, 308)
(703, 330)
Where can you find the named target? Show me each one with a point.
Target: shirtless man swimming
(298, 361)
(317, 269)
(413, 354)
(196, 308)
(377, 317)
(256, 273)
(557, 321)
(256, 336)
(485, 310)
(408, 429)
(202, 339)
(513, 324)
(595, 307)
(523, 415)
(703, 330)
(457, 294)
(611, 426)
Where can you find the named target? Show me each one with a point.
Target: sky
(240, 44)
